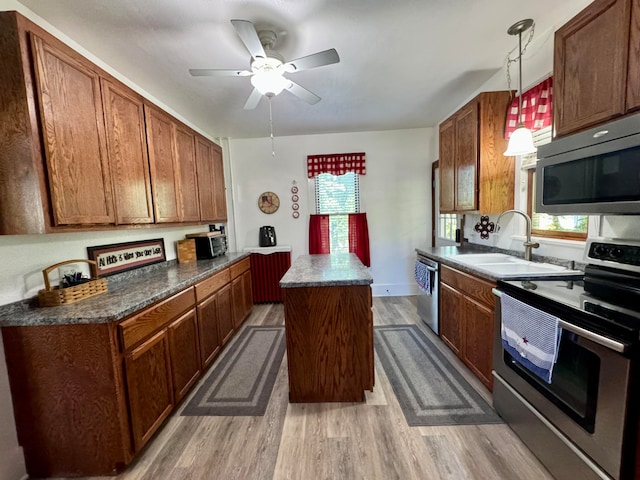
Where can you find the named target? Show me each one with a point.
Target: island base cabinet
(69, 399)
(329, 343)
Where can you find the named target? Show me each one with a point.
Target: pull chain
(273, 150)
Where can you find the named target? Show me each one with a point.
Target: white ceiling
(404, 63)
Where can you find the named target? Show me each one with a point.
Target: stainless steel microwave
(596, 171)
(209, 245)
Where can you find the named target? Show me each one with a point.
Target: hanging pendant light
(521, 140)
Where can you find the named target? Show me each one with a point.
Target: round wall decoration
(294, 198)
(268, 202)
(294, 189)
(295, 214)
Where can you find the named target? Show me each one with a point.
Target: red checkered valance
(336, 164)
(536, 108)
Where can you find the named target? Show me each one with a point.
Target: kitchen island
(329, 328)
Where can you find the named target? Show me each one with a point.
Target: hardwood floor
(335, 440)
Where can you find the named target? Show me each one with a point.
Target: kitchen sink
(508, 266)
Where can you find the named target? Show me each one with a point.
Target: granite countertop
(447, 256)
(127, 293)
(330, 270)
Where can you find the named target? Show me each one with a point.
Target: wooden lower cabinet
(88, 397)
(466, 320)
(210, 340)
(184, 349)
(450, 331)
(241, 294)
(148, 373)
(225, 314)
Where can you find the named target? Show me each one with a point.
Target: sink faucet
(528, 244)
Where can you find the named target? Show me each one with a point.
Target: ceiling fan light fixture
(269, 82)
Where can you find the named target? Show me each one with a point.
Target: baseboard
(12, 464)
(393, 289)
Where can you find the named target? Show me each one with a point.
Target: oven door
(587, 400)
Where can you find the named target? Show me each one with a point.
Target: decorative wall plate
(295, 206)
(294, 189)
(268, 202)
(294, 198)
(295, 214)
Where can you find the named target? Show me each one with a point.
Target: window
(338, 196)
(570, 227)
(447, 226)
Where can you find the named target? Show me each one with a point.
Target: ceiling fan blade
(311, 61)
(211, 72)
(253, 100)
(302, 93)
(249, 37)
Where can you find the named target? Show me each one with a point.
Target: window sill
(558, 242)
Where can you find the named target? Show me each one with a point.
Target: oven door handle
(588, 334)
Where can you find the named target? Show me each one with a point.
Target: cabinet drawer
(471, 286)
(213, 283)
(137, 328)
(238, 268)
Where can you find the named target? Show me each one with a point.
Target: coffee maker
(267, 236)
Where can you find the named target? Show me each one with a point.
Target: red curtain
(359, 237)
(536, 108)
(319, 234)
(336, 164)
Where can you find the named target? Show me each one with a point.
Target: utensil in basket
(56, 295)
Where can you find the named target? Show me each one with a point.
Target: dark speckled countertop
(330, 270)
(128, 293)
(447, 256)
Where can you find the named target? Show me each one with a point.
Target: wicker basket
(54, 296)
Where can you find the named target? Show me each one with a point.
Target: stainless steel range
(582, 421)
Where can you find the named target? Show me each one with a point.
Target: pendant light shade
(521, 140)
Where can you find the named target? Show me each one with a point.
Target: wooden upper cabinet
(475, 176)
(219, 188)
(466, 184)
(127, 153)
(591, 60)
(164, 179)
(633, 79)
(185, 160)
(211, 185)
(68, 90)
(447, 164)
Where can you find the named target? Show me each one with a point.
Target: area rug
(242, 381)
(429, 389)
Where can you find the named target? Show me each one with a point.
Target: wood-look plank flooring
(335, 440)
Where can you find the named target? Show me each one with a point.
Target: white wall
(395, 193)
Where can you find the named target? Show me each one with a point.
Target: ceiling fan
(268, 66)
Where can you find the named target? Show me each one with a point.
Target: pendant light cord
(273, 150)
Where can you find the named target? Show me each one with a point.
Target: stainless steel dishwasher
(428, 301)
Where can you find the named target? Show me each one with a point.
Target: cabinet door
(210, 341)
(237, 295)
(73, 135)
(148, 373)
(225, 313)
(451, 317)
(590, 66)
(247, 292)
(185, 353)
(466, 169)
(219, 185)
(447, 165)
(633, 79)
(185, 160)
(127, 153)
(477, 352)
(161, 162)
(206, 181)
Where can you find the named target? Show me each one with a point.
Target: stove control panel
(615, 253)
